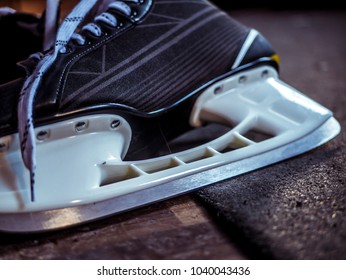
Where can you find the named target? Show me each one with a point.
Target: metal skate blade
(63, 218)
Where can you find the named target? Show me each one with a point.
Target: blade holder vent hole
(111, 175)
(162, 165)
(189, 158)
(257, 135)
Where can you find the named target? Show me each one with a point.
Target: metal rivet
(80, 126)
(42, 135)
(242, 79)
(115, 124)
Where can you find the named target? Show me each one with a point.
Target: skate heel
(258, 102)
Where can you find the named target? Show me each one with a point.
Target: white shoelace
(65, 33)
(4, 11)
(51, 20)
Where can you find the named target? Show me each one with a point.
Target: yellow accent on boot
(276, 58)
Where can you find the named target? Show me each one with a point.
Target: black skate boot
(107, 119)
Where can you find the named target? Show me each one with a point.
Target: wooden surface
(176, 229)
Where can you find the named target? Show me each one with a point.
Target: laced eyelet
(65, 50)
(108, 20)
(86, 43)
(134, 14)
(121, 7)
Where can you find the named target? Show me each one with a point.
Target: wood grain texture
(178, 229)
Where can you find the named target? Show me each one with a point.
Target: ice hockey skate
(140, 101)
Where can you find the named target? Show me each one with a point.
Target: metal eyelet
(115, 124)
(42, 135)
(265, 74)
(81, 126)
(242, 80)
